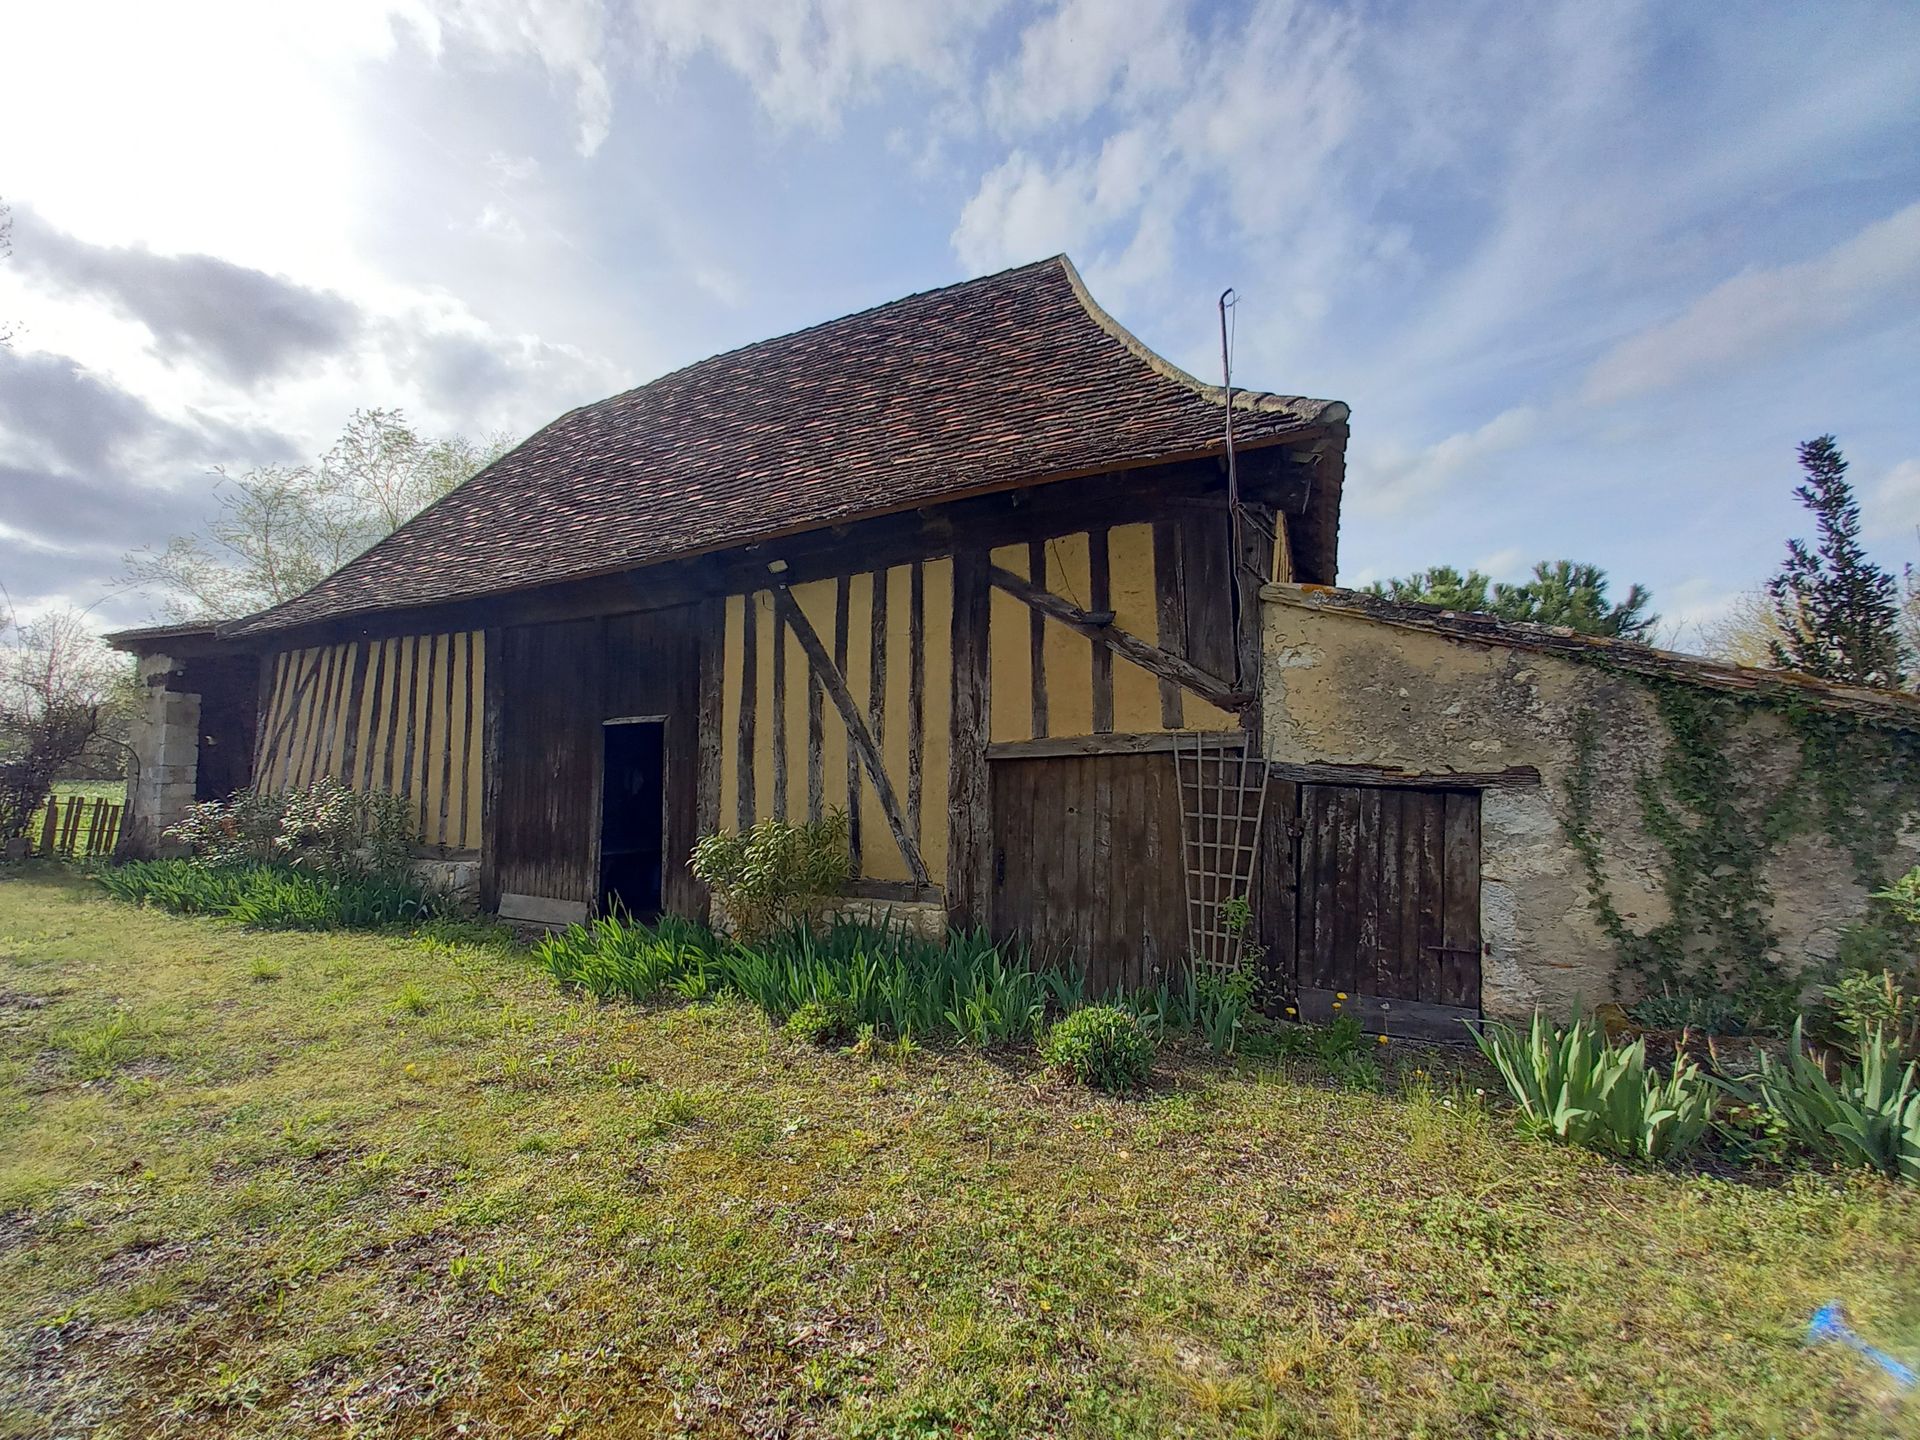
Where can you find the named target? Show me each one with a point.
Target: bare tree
(7, 327)
(282, 529)
(63, 695)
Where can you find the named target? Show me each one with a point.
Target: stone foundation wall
(1345, 688)
(456, 876)
(164, 769)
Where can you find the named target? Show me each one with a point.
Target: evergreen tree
(1569, 593)
(1561, 592)
(1838, 613)
(1441, 585)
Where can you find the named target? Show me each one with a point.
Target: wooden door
(1087, 865)
(1387, 905)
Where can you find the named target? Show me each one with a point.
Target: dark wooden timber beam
(835, 685)
(1010, 517)
(1100, 629)
(1312, 774)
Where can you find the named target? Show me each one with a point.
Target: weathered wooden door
(1087, 865)
(1386, 905)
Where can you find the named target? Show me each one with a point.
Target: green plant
(1102, 1046)
(1707, 1013)
(100, 1048)
(1575, 1086)
(821, 1022)
(1220, 1008)
(775, 875)
(325, 828)
(1866, 1006)
(1869, 1114)
(268, 897)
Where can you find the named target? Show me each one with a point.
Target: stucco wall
(1344, 688)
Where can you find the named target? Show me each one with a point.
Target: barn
(984, 572)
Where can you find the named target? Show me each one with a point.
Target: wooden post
(969, 790)
(494, 683)
(49, 829)
(711, 621)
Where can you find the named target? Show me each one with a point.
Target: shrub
(1866, 1006)
(1869, 1115)
(1102, 1046)
(823, 1022)
(1573, 1085)
(325, 828)
(1707, 1012)
(777, 874)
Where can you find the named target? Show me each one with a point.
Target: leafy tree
(1561, 592)
(1440, 585)
(1838, 613)
(64, 697)
(282, 529)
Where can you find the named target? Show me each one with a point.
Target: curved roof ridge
(1010, 379)
(1243, 399)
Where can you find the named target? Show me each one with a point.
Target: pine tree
(1838, 612)
(1574, 594)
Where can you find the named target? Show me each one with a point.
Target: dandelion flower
(1339, 994)
(1382, 1039)
(1292, 1011)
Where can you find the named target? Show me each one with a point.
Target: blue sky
(1585, 273)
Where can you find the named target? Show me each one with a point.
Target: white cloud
(1090, 53)
(1895, 513)
(1763, 313)
(1385, 477)
(805, 60)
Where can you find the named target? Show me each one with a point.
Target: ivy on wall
(1717, 822)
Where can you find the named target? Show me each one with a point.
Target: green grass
(405, 1187)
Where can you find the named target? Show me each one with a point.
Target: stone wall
(163, 770)
(1348, 687)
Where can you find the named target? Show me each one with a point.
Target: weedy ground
(286, 1185)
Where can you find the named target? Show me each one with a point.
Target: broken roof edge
(1891, 708)
(1321, 412)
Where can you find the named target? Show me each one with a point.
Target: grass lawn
(360, 1185)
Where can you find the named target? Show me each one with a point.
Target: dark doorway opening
(633, 817)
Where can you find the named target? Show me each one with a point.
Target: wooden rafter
(835, 684)
(1099, 627)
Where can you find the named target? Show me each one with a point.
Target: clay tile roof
(1007, 380)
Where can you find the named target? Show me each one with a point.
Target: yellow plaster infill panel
(307, 726)
(893, 744)
(937, 717)
(338, 717)
(816, 600)
(1069, 654)
(1136, 692)
(386, 775)
(427, 701)
(269, 722)
(736, 610)
(880, 857)
(796, 723)
(363, 720)
(760, 615)
(447, 830)
(476, 747)
(1010, 654)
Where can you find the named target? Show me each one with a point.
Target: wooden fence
(77, 826)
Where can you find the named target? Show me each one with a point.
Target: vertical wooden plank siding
(711, 624)
(493, 682)
(744, 765)
(1388, 893)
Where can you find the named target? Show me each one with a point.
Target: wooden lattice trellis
(1223, 794)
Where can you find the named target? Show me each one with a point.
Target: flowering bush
(326, 828)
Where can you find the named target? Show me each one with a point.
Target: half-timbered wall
(888, 636)
(401, 715)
